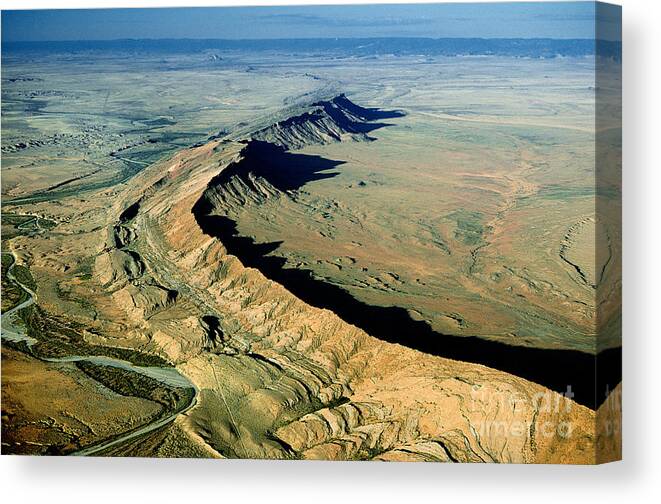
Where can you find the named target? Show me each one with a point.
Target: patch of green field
(12, 294)
(128, 383)
(15, 220)
(470, 228)
(24, 277)
(15, 225)
(58, 338)
(7, 261)
(84, 269)
(558, 192)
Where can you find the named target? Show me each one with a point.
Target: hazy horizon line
(297, 38)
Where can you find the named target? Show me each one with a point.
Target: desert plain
(310, 255)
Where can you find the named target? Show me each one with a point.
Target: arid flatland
(259, 254)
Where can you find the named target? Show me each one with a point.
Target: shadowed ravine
(555, 369)
(589, 377)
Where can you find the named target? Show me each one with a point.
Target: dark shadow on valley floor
(284, 170)
(553, 368)
(589, 376)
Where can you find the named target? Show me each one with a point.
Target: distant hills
(360, 47)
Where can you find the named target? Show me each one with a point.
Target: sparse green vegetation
(59, 338)
(85, 268)
(24, 277)
(12, 293)
(128, 383)
(14, 219)
(469, 226)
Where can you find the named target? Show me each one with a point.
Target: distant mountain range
(363, 47)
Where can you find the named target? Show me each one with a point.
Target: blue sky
(494, 20)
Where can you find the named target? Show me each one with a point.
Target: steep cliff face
(323, 122)
(281, 378)
(267, 167)
(292, 380)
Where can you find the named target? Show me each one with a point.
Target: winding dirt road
(12, 331)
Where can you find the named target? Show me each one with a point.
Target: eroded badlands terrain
(399, 265)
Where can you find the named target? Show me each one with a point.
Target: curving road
(168, 376)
